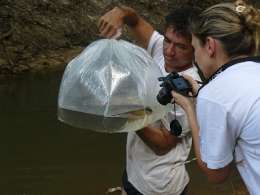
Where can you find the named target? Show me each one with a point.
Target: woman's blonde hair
(235, 25)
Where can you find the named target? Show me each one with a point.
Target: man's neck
(177, 69)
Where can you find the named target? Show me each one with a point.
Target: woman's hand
(186, 102)
(194, 84)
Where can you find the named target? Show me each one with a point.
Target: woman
(225, 116)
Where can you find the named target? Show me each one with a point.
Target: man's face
(177, 50)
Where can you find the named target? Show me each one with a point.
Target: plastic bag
(111, 87)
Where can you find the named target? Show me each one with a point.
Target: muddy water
(41, 155)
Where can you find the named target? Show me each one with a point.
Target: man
(155, 157)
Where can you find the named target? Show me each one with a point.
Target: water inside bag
(104, 124)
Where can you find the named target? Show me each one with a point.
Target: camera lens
(163, 98)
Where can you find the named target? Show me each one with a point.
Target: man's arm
(161, 141)
(117, 17)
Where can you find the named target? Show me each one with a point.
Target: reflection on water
(41, 155)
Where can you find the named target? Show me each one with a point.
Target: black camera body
(172, 81)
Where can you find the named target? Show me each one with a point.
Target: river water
(41, 155)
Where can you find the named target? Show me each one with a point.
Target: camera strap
(225, 66)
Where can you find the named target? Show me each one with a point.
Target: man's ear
(210, 42)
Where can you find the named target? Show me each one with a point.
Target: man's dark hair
(180, 19)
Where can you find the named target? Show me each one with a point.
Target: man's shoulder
(155, 40)
(155, 48)
(193, 72)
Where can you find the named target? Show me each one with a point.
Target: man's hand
(111, 22)
(117, 17)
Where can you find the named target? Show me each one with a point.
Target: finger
(99, 24)
(108, 33)
(102, 24)
(174, 94)
(102, 27)
(195, 85)
(173, 98)
(172, 101)
(189, 78)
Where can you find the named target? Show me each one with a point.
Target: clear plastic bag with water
(111, 87)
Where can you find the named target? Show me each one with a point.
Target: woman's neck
(239, 56)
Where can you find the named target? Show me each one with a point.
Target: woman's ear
(210, 46)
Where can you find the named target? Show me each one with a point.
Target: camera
(172, 81)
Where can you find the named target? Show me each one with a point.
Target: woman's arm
(189, 106)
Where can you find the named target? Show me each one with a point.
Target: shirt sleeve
(216, 136)
(155, 49)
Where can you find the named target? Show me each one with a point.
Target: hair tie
(240, 8)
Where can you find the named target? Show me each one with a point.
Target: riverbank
(48, 33)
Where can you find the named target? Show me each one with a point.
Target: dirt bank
(39, 34)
